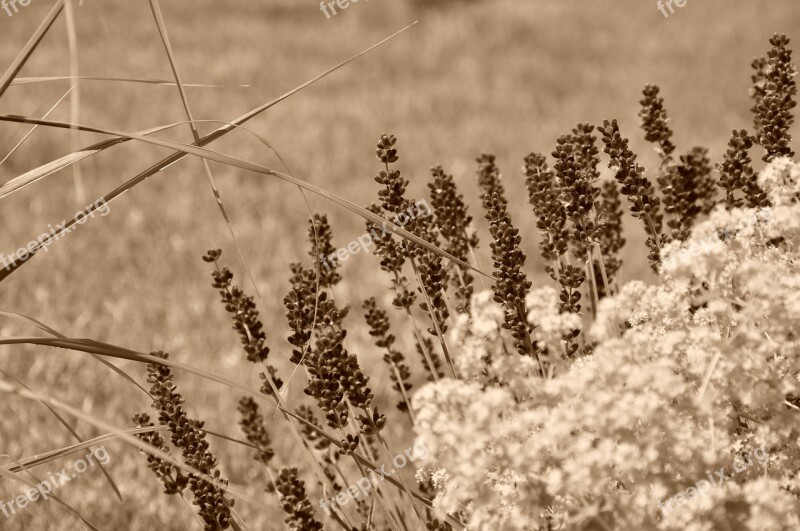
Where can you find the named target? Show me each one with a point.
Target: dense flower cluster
(452, 220)
(775, 96)
(321, 236)
(644, 203)
(390, 251)
(551, 217)
(576, 172)
(655, 121)
(292, 493)
(688, 191)
(510, 281)
(611, 239)
(489, 177)
(242, 309)
(736, 173)
(399, 373)
(171, 476)
(335, 378)
(687, 376)
(544, 195)
(429, 268)
(252, 423)
(188, 435)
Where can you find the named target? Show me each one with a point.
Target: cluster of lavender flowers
(612, 396)
(704, 369)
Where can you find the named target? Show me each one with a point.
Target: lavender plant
(775, 97)
(187, 434)
(602, 418)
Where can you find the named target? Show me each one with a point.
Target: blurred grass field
(494, 76)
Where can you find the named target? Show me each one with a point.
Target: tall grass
(431, 262)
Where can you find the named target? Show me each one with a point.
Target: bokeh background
(497, 76)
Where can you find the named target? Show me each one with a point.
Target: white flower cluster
(687, 375)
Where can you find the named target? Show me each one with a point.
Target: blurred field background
(498, 76)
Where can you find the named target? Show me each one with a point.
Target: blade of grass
(52, 455)
(35, 174)
(10, 389)
(65, 161)
(52, 332)
(105, 349)
(172, 159)
(32, 129)
(286, 386)
(239, 163)
(14, 477)
(71, 430)
(166, 82)
(75, 100)
(23, 55)
(30, 320)
(155, 7)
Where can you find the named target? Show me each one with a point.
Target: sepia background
(493, 76)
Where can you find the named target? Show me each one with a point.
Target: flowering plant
(686, 375)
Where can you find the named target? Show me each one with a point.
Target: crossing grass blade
(16, 390)
(164, 82)
(155, 7)
(48, 330)
(24, 54)
(52, 455)
(15, 478)
(52, 167)
(71, 430)
(72, 158)
(32, 129)
(105, 349)
(239, 163)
